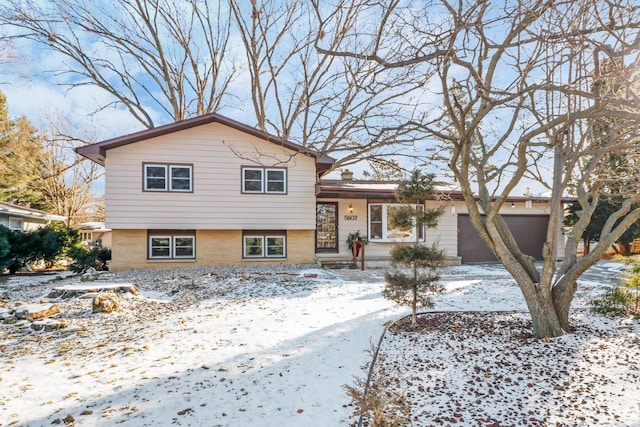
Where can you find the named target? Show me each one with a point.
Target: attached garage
(529, 231)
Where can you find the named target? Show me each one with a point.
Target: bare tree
(343, 107)
(156, 58)
(65, 181)
(515, 101)
(172, 60)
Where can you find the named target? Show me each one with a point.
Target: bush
(54, 242)
(24, 248)
(625, 299)
(5, 248)
(95, 258)
(47, 244)
(615, 302)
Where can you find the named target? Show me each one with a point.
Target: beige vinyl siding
(446, 233)
(216, 201)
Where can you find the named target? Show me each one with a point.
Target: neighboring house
(16, 217)
(95, 234)
(213, 191)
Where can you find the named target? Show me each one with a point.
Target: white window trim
(172, 247)
(264, 181)
(264, 238)
(158, 236)
(262, 178)
(244, 246)
(385, 223)
(146, 177)
(284, 246)
(170, 178)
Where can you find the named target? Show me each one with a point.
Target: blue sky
(36, 94)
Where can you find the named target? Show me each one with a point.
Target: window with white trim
(381, 229)
(264, 180)
(165, 177)
(258, 245)
(172, 246)
(16, 223)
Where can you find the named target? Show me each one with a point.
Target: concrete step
(337, 265)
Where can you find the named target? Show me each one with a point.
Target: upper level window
(162, 177)
(381, 225)
(264, 180)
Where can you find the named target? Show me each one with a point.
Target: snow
(274, 346)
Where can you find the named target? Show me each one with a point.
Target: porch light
(350, 208)
(513, 205)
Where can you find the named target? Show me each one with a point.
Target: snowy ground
(270, 347)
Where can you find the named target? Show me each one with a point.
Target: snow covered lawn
(484, 369)
(273, 346)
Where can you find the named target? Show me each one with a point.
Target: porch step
(337, 265)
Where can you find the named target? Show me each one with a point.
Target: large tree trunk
(562, 297)
(545, 319)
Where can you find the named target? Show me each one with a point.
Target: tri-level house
(208, 191)
(212, 191)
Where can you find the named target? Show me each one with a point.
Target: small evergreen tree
(414, 289)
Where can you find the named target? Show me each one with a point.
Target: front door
(326, 227)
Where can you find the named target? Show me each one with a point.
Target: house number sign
(351, 217)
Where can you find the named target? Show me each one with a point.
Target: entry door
(327, 227)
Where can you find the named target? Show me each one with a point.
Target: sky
(33, 91)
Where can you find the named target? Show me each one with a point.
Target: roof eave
(97, 152)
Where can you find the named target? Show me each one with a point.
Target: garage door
(528, 230)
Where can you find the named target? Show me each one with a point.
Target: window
(276, 181)
(166, 245)
(268, 244)
(251, 180)
(15, 223)
(264, 180)
(158, 177)
(327, 227)
(86, 236)
(380, 227)
(180, 178)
